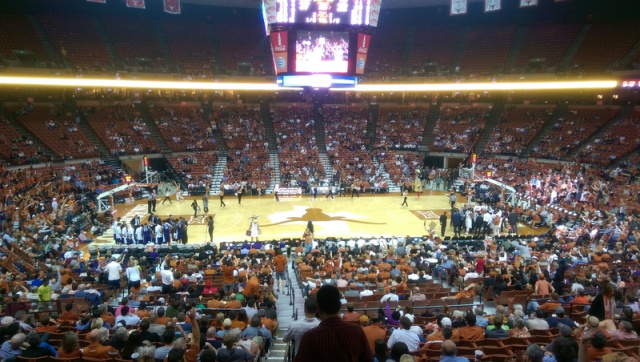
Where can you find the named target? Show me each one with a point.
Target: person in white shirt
(167, 277)
(391, 297)
(366, 293)
(127, 318)
(404, 335)
(113, 270)
(133, 274)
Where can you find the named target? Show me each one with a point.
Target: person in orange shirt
(373, 331)
(471, 332)
(280, 264)
(69, 348)
(253, 286)
(233, 303)
(161, 318)
(68, 315)
(582, 298)
(543, 287)
(598, 348)
(215, 302)
(551, 305)
(142, 311)
(236, 322)
(228, 279)
(351, 316)
(46, 325)
(96, 350)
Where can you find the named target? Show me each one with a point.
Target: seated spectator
(69, 348)
(538, 322)
(624, 332)
(471, 332)
(519, 330)
(96, 350)
(403, 334)
(351, 316)
(598, 347)
(498, 331)
(37, 348)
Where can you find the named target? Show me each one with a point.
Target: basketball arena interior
(325, 126)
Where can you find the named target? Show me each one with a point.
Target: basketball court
(342, 217)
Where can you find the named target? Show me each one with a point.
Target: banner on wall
(458, 7)
(172, 6)
(279, 45)
(364, 42)
(136, 4)
(528, 3)
(492, 5)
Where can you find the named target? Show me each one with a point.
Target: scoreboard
(312, 39)
(322, 12)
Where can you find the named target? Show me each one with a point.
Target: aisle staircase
(566, 59)
(265, 115)
(492, 122)
(430, 125)
(30, 136)
(101, 29)
(274, 162)
(516, 44)
(559, 112)
(290, 306)
(153, 128)
(218, 173)
(326, 163)
(222, 146)
(164, 46)
(623, 113)
(380, 170)
(372, 124)
(51, 50)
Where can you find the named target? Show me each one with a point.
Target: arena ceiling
(386, 4)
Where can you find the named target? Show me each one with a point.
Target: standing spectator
(113, 271)
(333, 340)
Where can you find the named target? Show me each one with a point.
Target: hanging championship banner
(492, 5)
(528, 3)
(136, 4)
(172, 6)
(458, 7)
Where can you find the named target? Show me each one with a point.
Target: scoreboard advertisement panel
(329, 12)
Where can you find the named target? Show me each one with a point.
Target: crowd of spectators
(17, 148)
(248, 149)
(458, 128)
(300, 163)
(121, 129)
(346, 142)
(622, 138)
(570, 131)
(516, 129)
(57, 128)
(185, 129)
(195, 170)
(400, 128)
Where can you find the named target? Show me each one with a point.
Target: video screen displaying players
(322, 52)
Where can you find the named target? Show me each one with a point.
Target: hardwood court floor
(366, 216)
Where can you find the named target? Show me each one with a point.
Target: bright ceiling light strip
(149, 84)
(142, 84)
(600, 84)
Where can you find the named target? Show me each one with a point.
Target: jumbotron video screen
(322, 52)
